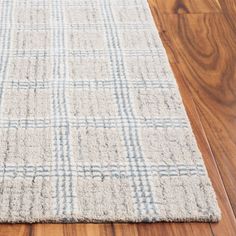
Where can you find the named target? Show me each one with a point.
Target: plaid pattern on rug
(92, 125)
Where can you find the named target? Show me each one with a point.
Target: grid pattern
(92, 125)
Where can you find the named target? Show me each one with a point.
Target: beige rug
(92, 126)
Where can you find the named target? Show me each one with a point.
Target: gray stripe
(69, 202)
(56, 108)
(62, 122)
(89, 84)
(101, 175)
(102, 171)
(125, 110)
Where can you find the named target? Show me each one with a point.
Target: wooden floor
(200, 38)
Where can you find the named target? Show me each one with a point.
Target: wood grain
(71, 229)
(200, 39)
(16, 229)
(187, 6)
(229, 10)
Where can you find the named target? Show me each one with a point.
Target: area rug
(92, 125)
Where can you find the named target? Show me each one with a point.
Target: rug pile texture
(92, 125)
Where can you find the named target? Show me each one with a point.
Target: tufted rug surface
(92, 125)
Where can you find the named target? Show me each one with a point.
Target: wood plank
(94, 229)
(125, 229)
(15, 229)
(186, 6)
(47, 229)
(72, 229)
(174, 229)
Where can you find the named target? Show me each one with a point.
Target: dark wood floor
(200, 38)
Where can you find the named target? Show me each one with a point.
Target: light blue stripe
(125, 110)
(56, 138)
(67, 127)
(88, 84)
